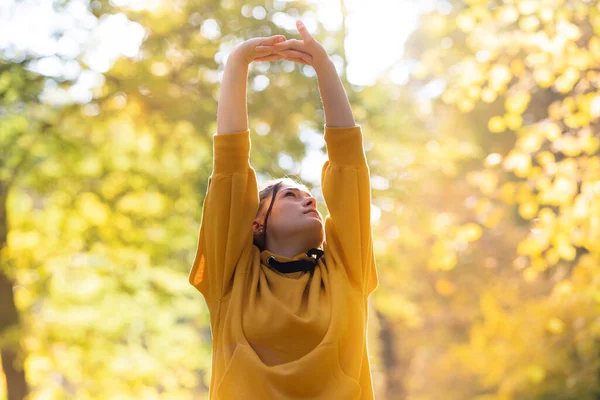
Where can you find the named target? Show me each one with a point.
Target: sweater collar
(304, 261)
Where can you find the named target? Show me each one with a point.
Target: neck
(290, 248)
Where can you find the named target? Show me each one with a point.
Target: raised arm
(336, 106)
(231, 199)
(346, 184)
(232, 113)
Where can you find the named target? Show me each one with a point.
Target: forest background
(485, 176)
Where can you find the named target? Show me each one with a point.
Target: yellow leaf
(546, 14)
(535, 373)
(482, 206)
(159, 68)
(590, 144)
(577, 120)
(594, 46)
(445, 287)
(581, 207)
(552, 256)
(450, 96)
(563, 289)
(494, 217)
(527, 7)
(517, 67)
(447, 261)
(21, 203)
(500, 75)
(537, 173)
(545, 157)
(529, 247)
(443, 256)
(493, 159)
(555, 111)
(513, 121)
(544, 77)
(578, 237)
(507, 14)
(518, 162)
(539, 264)
(551, 131)
(555, 325)
(547, 216)
(437, 24)
(544, 183)
(566, 252)
(568, 145)
(469, 232)
(530, 142)
(517, 103)
(496, 124)
(90, 166)
(145, 143)
(420, 71)
(488, 95)
(488, 304)
(580, 59)
(465, 21)
(530, 275)
(508, 191)
(91, 207)
(568, 30)
(473, 92)
(23, 241)
(567, 80)
(529, 23)
(524, 193)
(465, 105)
(564, 189)
(569, 104)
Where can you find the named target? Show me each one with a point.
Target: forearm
(338, 113)
(232, 113)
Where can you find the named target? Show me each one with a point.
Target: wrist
(237, 57)
(323, 65)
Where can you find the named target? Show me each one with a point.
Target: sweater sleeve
(229, 208)
(346, 186)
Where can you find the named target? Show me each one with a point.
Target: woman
(287, 289)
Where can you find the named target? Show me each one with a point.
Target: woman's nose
(309, 201)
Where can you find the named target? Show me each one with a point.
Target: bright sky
(376, 30)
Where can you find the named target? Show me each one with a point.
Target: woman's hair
(266, 197)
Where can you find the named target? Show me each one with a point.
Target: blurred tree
(24, 129)
(519, 87)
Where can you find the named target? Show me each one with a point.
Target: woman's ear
(259, 237)
(257, 227)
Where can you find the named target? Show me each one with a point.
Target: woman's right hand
(248, 53)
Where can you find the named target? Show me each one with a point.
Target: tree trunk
(12, 364)
(393, 386)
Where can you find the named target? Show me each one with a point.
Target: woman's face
(294, 216)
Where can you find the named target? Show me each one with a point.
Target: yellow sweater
(283, 336)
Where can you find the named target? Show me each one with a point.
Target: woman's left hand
(307, 45)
